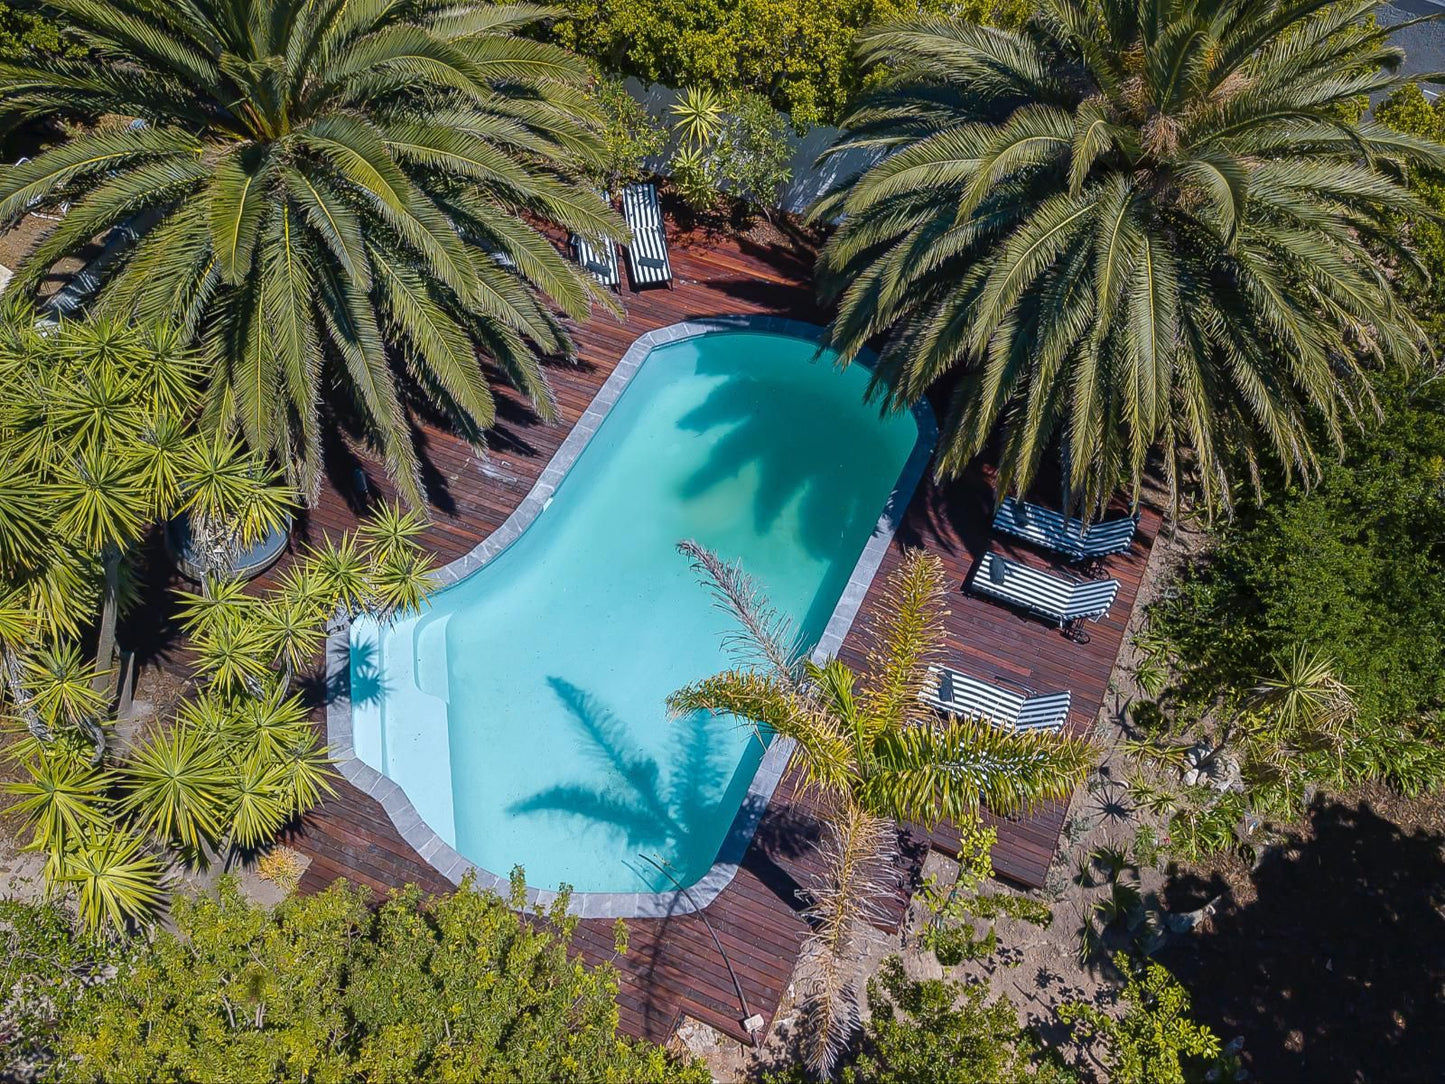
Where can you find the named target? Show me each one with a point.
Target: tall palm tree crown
(329, 193)
(1133, 226)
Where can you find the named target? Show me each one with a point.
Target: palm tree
(329, 193)
(864, 745)
(1133, 226)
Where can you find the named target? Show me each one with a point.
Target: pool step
(429, 658)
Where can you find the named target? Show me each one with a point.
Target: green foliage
(922, 1032)
(860, 745)
(1349, 570)
(45, 965)
(735, 145)
(1152, 1041)
(25, 33)
(797, 55)
(348, 207)
(699, 114)
(456, 988)
(752, 151)
(1409, 111)
(1101, 232)
(100, 439)
(629, 135)
(230, 766)
(1146, 847)
(950, 934)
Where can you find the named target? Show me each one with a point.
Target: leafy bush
(797, 55)
(45, 966)
(735, 145)
(1152, 1041)
(25, 32)
(629, 135)
(923, 1032)
(1353, 568)
(456, 988)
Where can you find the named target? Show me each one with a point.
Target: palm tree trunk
(105, 645)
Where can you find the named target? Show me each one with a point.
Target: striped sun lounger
(1070, 602)
(598, 257)
(647, 255)
(1046, 528)
(956, 692)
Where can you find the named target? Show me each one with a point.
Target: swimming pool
(521, 716)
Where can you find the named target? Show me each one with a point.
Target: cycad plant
(1134, 227)
(329, 193)
(874, 755)
(232, 764)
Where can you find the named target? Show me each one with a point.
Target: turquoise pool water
(523, 711)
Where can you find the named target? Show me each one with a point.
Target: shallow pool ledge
(441, 855)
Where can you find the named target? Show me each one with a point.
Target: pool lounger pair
(956, 692)
(647, 255)
(1070, 602)
(1045, 527)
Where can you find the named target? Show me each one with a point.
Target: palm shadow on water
(659, 813)
(753, 426)
(656, 810)
(1335, 970)
(363, 676)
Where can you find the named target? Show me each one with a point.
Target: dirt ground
(16, 243)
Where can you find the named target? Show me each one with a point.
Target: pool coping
(441, 855)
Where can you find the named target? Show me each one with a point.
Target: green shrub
(23, 32)
(1152, 1041)
(1352, 567)
(629, 135)
(456, 988)
(923, 1032)
(797, 55)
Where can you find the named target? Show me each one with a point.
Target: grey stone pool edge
(441, 855)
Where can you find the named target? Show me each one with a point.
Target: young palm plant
(1134, 227)
(329, 193)
(872, 752)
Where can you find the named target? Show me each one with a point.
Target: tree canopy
(331, 194)
(325, 987)
(1133, 229)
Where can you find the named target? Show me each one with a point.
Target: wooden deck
(673, 966)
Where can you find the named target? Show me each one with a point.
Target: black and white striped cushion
(1062, 600)
(601, 259)
(1049, 529)
(648, 252)
(957, 692)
